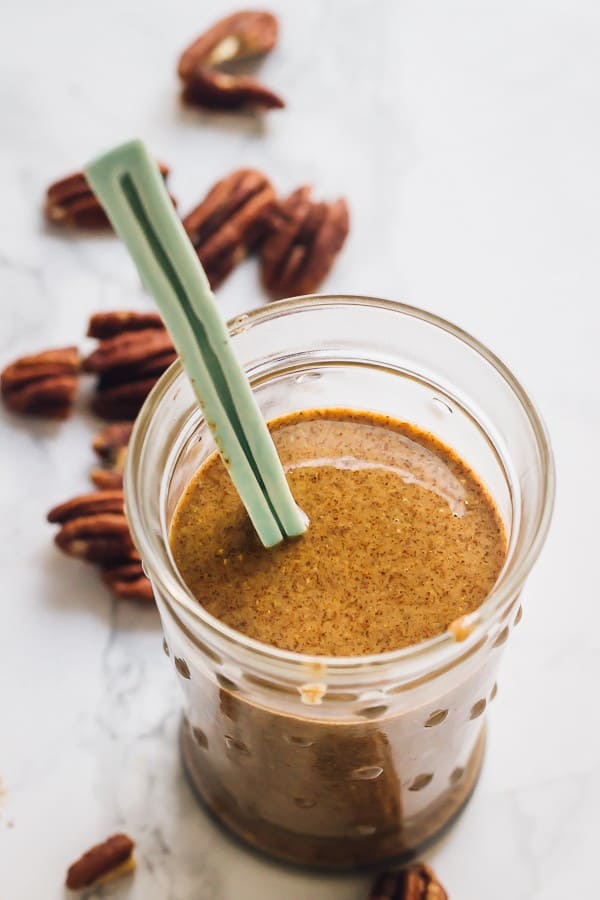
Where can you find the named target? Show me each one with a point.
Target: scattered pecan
(101, 537)
(128, 581)
(302, 242)
(129, 365)
(107, 324)
(219, 90)
(415, 882)
(70, 201)
(111, 858)
(110, 445)
(106, 479)
(229, 221)
(94, 528)
(128, 349)
(237, 37)
(87, 505)
(123, 401)
(44, 384)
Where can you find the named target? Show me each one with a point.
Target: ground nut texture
(403, 539)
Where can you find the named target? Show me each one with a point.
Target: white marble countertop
(466, 137)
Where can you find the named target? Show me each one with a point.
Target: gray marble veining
(466, 138)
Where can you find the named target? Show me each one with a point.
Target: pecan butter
(403, 540)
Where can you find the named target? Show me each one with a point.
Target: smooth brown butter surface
(403, 539)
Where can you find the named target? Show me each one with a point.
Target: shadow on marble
(244, 122)
(72, 233)
(74, 585)
(36, 430)
(226, 851)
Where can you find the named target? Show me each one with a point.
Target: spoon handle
(128, 184)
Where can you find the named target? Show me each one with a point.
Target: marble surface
(466, 137)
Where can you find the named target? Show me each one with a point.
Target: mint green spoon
(127, 183)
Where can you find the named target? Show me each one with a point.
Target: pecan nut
(43, 384)
(127, 581)
(71, 201)
(87, 505)
(107, 324)
(100, 537)
(110, 445)
(128, 349)
(94, 528)
(415, 882)
(219, 90)
(106, 479)
(110, 859)
(237, 37)
(123, 401)
(302, 242)
(129, 364)
(229, 221)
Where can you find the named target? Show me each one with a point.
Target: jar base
(337, 854)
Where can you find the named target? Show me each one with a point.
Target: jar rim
(444, 645)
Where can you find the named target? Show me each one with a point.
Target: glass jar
(343, 761)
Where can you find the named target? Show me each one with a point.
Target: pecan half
(303, 240)
(107, 324)
(128, 581)
(123, 401)
(229, 221)
(94, 528)
(43, 384)
(100, 537)
(106, 479)
(71, 201)
(110, 445)
(111, 858)
(416, 882)
(87, 505)
(237, 37)
(129, 365)
(128, 349)
(219, 90)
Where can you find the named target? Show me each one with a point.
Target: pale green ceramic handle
(133, 194)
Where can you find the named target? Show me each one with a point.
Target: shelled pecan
(128, 365)
(239, 36)
(219, 90)
(415, 882)
(104, 325)
(71, 201)
(43, 384)
(92, 504)
(302, 242)
(110, 445)
(106, 479)
(94, 529)
(110, 859)
(235, 38)
(123, 401)
(101, 537)
(128, 349)
(229, 221)
(128, 581)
